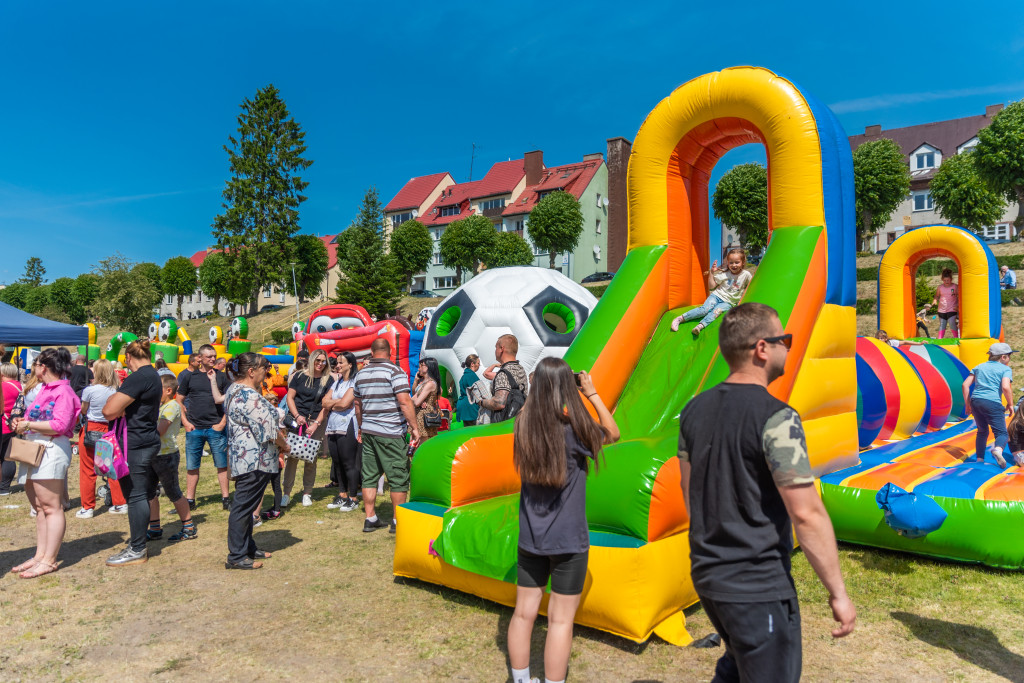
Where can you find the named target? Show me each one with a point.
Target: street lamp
(295, 289)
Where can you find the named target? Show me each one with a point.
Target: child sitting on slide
(947, 297)
(726, 288)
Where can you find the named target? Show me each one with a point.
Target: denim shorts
(165, 465)
(194, 441)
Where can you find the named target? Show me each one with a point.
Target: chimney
(618, 217)
(873, 131)
(992, 109)
(596, 156)
(533, 164)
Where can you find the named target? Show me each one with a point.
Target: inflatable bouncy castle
(348, 327)
(873, 415)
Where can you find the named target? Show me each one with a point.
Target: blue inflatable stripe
(836, 478)
(873, 404)
(962, 481)
(837, 188)
(891, 451)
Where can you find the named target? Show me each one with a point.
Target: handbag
(27, 452)
(110, 460)
(432, 420)
(302, 447)
(92, 437)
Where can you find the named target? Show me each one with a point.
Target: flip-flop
(38, 569)
(247, 563)
(24, 566)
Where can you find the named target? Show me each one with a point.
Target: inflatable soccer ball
(542, 308)
(167, 331)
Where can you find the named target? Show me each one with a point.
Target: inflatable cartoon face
(298, 329)
(541, 307)
(154, 330)
(336, 317)
(239, 328)
(167, 331)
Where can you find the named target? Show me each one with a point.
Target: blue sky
(115, 113)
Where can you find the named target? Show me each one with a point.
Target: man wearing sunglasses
(745, 477)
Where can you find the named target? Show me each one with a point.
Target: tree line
(970, 189)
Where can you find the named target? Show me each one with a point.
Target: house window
(449, 210)
(537, 251)
(925, 160)
(398, 219)
(922, 200)
(599, 200)
(266, 293)
(446, 282)
(170, 298)
(519, 225)
(544, 194)
(890, 237)
(598, 226)
(437, 259)
(199, 295)
(492, 204)
(968, 146)
(190, 298)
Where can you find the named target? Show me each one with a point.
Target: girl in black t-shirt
(554, 441)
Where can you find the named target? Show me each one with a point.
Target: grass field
(326, 606)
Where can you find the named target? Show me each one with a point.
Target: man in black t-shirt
(203, 420)
(745, 474)
(81, 375)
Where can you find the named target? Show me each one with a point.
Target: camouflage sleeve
(785, 449)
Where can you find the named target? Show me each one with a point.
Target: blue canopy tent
(18, 328)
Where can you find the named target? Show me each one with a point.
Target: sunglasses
(784, 339)
(320, 361)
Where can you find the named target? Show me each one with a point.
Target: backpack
(513, 404)
(110, 460)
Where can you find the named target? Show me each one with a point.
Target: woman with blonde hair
(94, 397)
(306, 392)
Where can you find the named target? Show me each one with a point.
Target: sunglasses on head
(784, 339)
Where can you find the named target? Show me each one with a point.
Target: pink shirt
(57, 404)
(11, 390)
(947, 298)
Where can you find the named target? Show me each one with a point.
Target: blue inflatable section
(909, 514)
(871, 405)
(415, 346)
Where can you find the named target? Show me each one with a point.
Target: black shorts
(762, 640)
(947, 316)
(166, 469)
(567, 572)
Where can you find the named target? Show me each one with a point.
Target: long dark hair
(57, 361)
(433, 373)
(538, 446)
(353, 364)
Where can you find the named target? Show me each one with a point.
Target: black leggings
(347, 455)
(9, 468)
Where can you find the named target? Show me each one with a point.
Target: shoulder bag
(302, 447)
(27, 452)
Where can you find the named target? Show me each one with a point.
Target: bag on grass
(111, 461)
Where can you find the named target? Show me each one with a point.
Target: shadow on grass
(275, 539)
(881, 560)
(978, 646)
(71, 552)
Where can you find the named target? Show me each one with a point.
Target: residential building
(924, 147)
(505, 196)
(200, 303)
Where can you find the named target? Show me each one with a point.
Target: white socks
(372, 519)
(521, 675)
(548, 680)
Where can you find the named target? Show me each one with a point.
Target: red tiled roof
(332, 252)
(502, 178)
(200, 256)
(415, 192)
(572, 178)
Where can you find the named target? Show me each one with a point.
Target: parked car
(422, 293)
(270, 308)
(598, 277)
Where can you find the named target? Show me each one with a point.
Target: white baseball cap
(1000, 349)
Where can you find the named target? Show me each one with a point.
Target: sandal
(24, 566)
(38, 569)
(261, 554)
(247, 563)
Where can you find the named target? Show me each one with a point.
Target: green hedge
(867, 274)
(282, 336)
(865, 306)
(598, 291)
(1008, 295)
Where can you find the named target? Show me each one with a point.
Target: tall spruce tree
(262, 197)
(368, 275)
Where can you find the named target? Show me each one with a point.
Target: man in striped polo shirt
(383, 409)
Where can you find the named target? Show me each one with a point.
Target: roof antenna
(471, 158)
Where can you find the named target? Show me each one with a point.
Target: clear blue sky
(114, 113)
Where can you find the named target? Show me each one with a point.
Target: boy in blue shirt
(992, 380)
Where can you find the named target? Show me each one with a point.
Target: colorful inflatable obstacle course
(91, 350)
(464, 496)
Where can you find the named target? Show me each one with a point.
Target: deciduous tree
(178, 279)
(37, 298)
(127, 294)
(310, 258)
(509, 250)
(87, 286)
(15, 294)
(881, 181)
(62, 297)
(741, 201)
(962, 197)
(555, 224)
(411, 247)
(215, 278)
(1000, 159)
(151, 272)
(262, 197)
(465, 243)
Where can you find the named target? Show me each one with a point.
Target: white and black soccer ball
(167, 331)
(541, 307)
(154, 330)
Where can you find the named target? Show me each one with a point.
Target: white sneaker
(307, 500)
(285, 499)
(118, 510)
(85, 513)
(1018, 458)
(997, 453)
